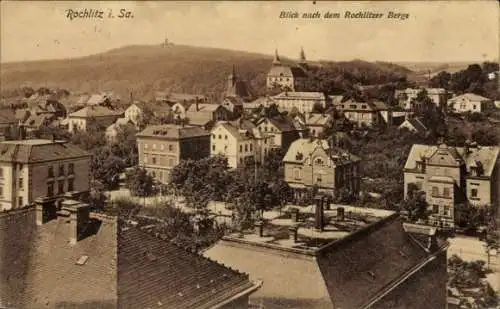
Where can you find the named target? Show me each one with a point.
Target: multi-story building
(162, 147)
(41, 168)
(314, 163)
(283, 130)
(139, 112)
(406, 97)
(451, 175)
(366, 113)
(291, 78)
(302, 102)
(350, 258)
(92, 115)
(470, 102)
(242, 145)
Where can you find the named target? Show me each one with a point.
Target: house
(240, 142)
(406, 97)
(451, 175)
(283, 130)
(203, 115)
(234, 105)
(41, 168)
(139, 112)
(339, 256)
(94, 115)
(162, 147)
(250, 107)
(316, 123)
(290, 78)
(313, 162)
(413, 124)
(303, 102)
(470, 102)
(366, 113)
(237, 88)
(116, 128)
(36, 122)
(71, 257)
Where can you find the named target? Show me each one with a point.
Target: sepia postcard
(249, 155)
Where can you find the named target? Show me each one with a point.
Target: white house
(241, 146)
(470, 102)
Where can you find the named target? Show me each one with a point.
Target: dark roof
(95, 111)
(125, 268)
(286, 71)
(38, 150)
(283, 123)
(350, 272)
(172, 131)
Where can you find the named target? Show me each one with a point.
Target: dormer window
(319, 161)
(299, 156)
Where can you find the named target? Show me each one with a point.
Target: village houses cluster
(312, 266)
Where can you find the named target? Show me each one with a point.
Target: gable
(444, 157)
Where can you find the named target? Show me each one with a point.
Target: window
(21, 203)
(61, 169)
(1, 191)
(1, 172)
(241, 148)
(213, 147)
(241, 160)
(220, 136)
(71, 169)
(170, 147)
(446, 210)
(435, 191)
(21, 166)
(71, 184)
(435, 209)
(474, 106)
(60, 187)
(51, 172)
(21, 183)
(246, 147)
(153, 173)
(318, 161)
(153, 160)
(225, 148)
(318, 179)
(251, 147)
(446, 192)
(225, 136)
(50, 189)
(473, 192)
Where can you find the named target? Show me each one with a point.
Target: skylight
(82, 260)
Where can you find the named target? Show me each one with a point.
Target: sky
(434, 31)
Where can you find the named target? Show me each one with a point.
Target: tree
(140, 182)
(441, 80)
(415, 204)
(318, 108)
(106, 168)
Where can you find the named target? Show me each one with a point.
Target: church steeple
(276, 60)
(302, 57)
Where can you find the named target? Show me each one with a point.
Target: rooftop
(311, 241)
(301, 150)
(300, 95)
(111, 267)
(172, 131)
(95, 111)
(38, 150)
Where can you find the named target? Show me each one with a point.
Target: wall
(418, 179)
(430, 282)
(483, 188)
(224, 146)
(39, 179)
(240, 303)
(165, 152)
(7, 185)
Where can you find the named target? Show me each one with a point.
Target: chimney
(45, 210)
(259, 228)
(432, 244)
(295, 214)
(340, 214)
(197, 105)
(22, 132)
(78, 219)
(319, 214)
(293, 232)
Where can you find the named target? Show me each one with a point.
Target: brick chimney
(259, 228)
(45, 210)
(295, 214)
(293, 233)
(78, 219)
(319, 213)
(340, 214)
(197, 104)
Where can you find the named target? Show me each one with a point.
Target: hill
(146, 69)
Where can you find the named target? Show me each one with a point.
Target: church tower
(276, 60)
(302, 57)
